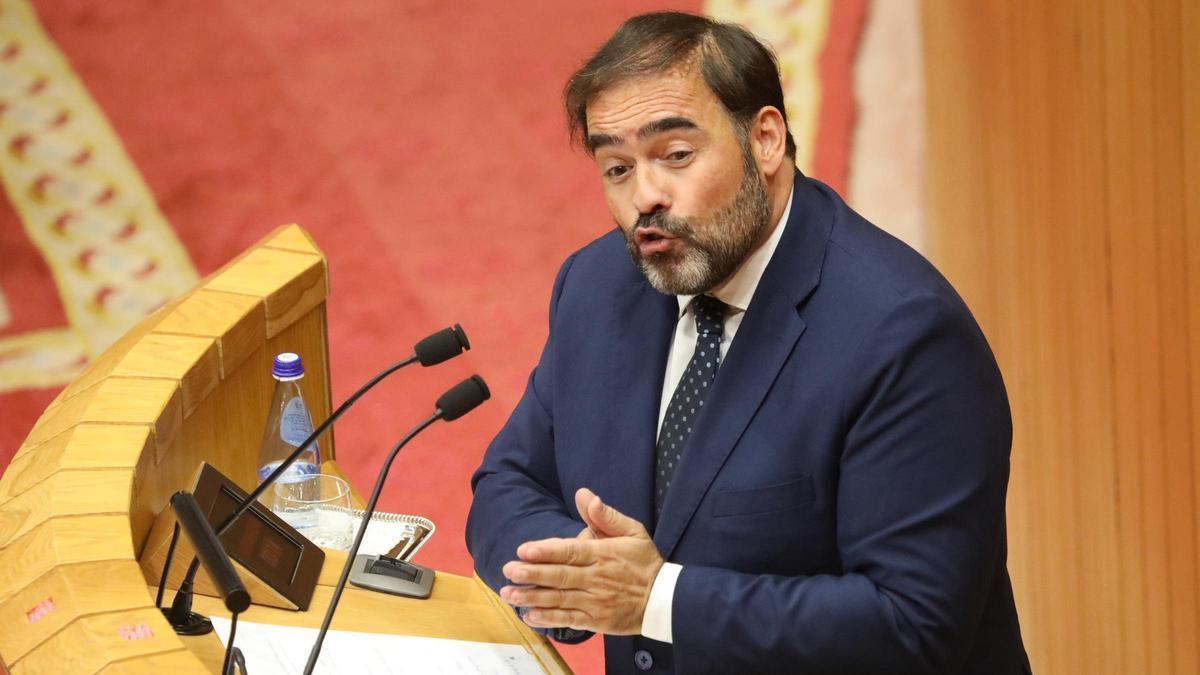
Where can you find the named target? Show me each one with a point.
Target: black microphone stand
(216, 561)
(431, 350)
(180, 614)
(458, 401)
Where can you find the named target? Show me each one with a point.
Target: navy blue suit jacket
(840, 505)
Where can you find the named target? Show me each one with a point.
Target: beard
(708, 249)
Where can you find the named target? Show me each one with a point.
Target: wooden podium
(190, 383)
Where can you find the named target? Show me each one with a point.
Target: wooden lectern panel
(37, 612)
(62, 541)
(290, 283)
(89, 645)
(189, 384)
(236, 323)
(179, 661)
(84, 446)
(102, 366)
(66, 493)
(190, 360)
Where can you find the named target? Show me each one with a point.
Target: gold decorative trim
(796, 30)
(40, 359)
(85, 207)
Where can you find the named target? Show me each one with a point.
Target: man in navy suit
(763, 435)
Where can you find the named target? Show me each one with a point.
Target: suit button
(643, 660)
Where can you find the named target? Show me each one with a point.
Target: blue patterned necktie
(688, 400)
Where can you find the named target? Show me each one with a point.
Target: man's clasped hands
(598, 581)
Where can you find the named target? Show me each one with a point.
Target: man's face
(680, 182)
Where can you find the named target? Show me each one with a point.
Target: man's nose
(650, 193)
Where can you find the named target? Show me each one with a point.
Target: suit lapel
(766, 337)
(642, 325)
(764, 341)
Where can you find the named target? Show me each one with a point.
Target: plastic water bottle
(288, 424)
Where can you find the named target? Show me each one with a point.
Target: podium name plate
(279, 565)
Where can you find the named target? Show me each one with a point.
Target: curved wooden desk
(188, 384)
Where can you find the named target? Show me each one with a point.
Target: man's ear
(768, 139)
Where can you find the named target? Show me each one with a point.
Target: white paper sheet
(283, 650)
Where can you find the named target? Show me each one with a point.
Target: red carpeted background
(423, 146)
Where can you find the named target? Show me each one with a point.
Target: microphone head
(463, 397)
(442, 345)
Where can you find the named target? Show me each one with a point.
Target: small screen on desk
(255, 542)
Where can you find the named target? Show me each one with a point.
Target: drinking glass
(318, 506)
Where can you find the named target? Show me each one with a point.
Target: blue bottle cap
(288, 366)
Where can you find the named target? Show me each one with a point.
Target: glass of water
(318, 506)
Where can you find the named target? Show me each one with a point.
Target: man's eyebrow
(665, 124)
(596, 141)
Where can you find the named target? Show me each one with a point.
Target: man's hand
(598, 581)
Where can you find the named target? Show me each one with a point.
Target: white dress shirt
(736, 292)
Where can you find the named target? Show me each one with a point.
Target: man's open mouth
(648, 235)
(652, 240)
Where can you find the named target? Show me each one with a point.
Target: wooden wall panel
(1190, 85)
(1064, 198)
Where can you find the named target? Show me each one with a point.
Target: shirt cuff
(656, 622)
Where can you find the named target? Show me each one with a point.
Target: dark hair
(740, 70)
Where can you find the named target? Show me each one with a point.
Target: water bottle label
(295, 424)
(295, 472)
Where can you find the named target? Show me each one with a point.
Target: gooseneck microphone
(459, 400)
(441, 346)
(216, 561)
(430, 351)
(210, 552)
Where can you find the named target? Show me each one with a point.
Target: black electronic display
(261, 541)
(256, 539)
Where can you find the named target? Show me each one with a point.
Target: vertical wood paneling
(1189, 29)
(1083, 303)
(1166, 84)
(1063, 182)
